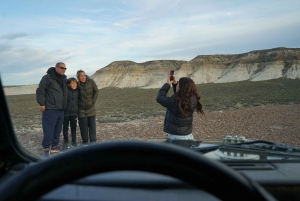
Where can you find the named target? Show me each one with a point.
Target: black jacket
(72, 102)
(175, 123)
(52, 90)
(88, 93)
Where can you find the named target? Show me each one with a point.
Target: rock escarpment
(253, 66)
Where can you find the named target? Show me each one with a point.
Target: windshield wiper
(263, 148)
(260, 148)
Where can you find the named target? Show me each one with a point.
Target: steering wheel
(175, 161)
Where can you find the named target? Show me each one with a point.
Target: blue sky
(90, 34)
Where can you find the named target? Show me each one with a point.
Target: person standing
(51, 95)
(88, 93)
(180, 107)
(71, 113)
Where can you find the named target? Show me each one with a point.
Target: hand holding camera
(171, 74)
(171, 78)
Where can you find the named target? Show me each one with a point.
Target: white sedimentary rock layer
(252, 66)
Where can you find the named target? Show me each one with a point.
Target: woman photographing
(180, 107)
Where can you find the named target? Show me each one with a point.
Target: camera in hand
(171, 73)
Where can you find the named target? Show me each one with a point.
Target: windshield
(120, 71)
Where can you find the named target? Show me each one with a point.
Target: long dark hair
(183, 97)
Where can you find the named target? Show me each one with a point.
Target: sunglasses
(62, 68)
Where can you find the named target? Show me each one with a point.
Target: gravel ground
(278, 123)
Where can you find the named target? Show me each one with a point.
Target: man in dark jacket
(52, 98)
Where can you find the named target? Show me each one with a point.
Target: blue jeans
(52, 121)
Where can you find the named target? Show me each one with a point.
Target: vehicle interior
(148, 170)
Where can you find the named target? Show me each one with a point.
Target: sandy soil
(278, 123)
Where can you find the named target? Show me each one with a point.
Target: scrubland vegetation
(121, 105)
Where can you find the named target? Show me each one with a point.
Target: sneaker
(46, 152)
(55, 149)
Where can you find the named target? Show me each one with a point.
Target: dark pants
(52, 121)
(72, 121)
(88, 129)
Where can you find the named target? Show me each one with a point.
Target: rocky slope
(253, 66)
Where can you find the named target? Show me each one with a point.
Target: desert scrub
(222, 96)
(121, 105)
(126, 104)
(25, 112)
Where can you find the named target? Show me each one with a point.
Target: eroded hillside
(253, 66)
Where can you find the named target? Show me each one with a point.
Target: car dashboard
(281, 178)
(128, 185)
(118, 181)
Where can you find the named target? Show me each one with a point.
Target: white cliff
(252, 66)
